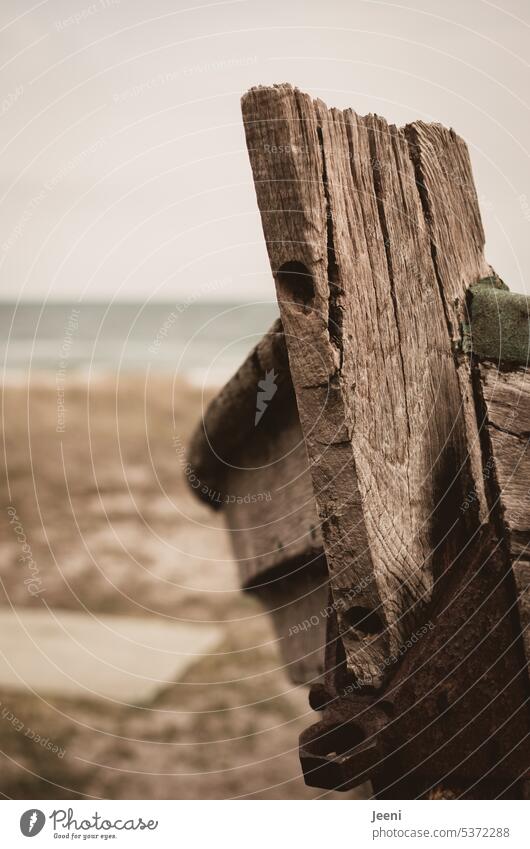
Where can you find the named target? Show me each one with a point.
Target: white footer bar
(265, 825)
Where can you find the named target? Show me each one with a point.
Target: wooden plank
(230, 418)
(505, 396)
(452, 217)
(371, 356)
(268, 501)
(499, 331)
(258, 473)
(507, 400)
(521, 571)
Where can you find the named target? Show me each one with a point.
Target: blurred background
(134, 282)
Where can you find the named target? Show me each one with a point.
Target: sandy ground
(110, 527)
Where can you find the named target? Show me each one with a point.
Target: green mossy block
(500, 324)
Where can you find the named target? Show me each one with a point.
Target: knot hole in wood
(295, 284)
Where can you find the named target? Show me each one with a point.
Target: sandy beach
(105, 524)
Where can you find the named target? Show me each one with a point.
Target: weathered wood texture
(258, 475)
(507, 399)
(506, 396)
(445, 183)
(521, 572)
(370, 306)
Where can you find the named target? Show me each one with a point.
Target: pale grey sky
(123, 166)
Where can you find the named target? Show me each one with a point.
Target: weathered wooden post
(413, 408)
(258, 475)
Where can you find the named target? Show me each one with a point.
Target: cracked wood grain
(506, 397)
(367, 314)
(449, 198)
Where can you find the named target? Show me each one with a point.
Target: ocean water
(202, 342)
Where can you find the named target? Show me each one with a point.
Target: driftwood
(500, 342)
(507, 405)
(371, 309)
(394, 451)
(375, 243)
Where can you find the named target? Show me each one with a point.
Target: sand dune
(98, 520)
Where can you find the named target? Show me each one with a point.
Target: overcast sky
(123, 166)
